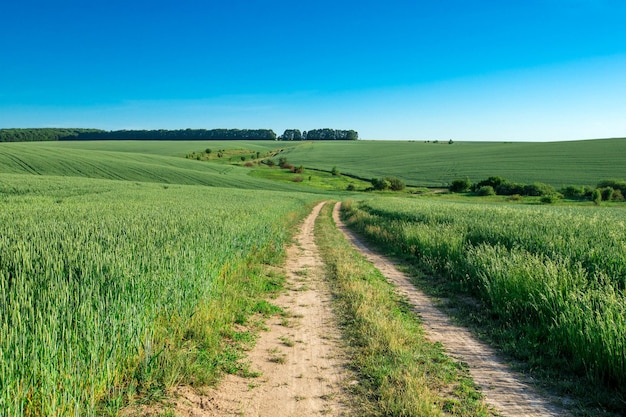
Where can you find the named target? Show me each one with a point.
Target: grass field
(123, 163)
(417, 163)
(134, 262)
(550, 280)
(109, 289)
(438, 164)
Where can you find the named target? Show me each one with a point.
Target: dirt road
(503, 389)
(302, 365)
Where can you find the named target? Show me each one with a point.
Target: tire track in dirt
(503, 389)
(302, 364)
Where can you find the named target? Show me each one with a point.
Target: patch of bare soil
(504, 389)
(300, 358)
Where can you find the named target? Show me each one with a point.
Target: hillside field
(136, 263)
(438, 164)
(418, 163)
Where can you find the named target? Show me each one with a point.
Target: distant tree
(292, 134)
(388, 183)
(596, 196)
(335, 171)
(486, 190)
(460, 185)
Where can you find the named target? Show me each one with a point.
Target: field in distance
(418, 163)
(433, 164)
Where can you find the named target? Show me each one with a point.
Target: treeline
(607, 190)
(181, 134)
(42, 134)
(53, 134)
(319, 134)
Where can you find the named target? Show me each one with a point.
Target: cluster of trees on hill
(319, 134)
(42, 134)
(52, 134)
(180, 134)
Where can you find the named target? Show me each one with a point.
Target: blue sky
(468, 70)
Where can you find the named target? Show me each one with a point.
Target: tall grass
(126, 288)
(401, 372)
(556, 274)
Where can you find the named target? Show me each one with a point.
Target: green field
(438, 164)
(550, 281)
(134, 262)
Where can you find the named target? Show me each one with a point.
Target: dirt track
(503, 389)
(300, 358)
(302, 364)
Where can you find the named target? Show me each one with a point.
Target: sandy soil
(302, 364)
(505, 390)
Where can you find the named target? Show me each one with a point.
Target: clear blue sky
(438, 69)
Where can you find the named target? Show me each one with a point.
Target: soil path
(503, 389)
(302, 364)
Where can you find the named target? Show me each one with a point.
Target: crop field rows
(93, 285)
(555, 275)
(123, 265)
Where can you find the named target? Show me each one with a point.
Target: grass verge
(400, 372)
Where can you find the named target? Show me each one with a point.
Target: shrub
(243, 158)
(617, 195)
(249, 164)
(297, 179)
(380, 184)
(549, 199)
(510, 188)
(460, 185)
(486, 190)
(396, 184)
(335, 171)
(614, 184)
(269, 162)
(298, 170)
(494, 182)
(208, 150)
(607, 193)
(538, 189)
(573, 191)
(596, 196)
(351, 187)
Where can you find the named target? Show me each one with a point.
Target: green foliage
(615, 184)
(596, 196)
(44, 134)
(550, 199)
(388, 183)
(331, 134)
(291, 134)
(180, 134)
(486, 190)
(460, 185)
(574, 191)
(335, 171)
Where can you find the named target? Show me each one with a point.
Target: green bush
(486, 190)
(596, 196)
(550, 199)
(573, 191)
(607, 193)
(460, 185)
